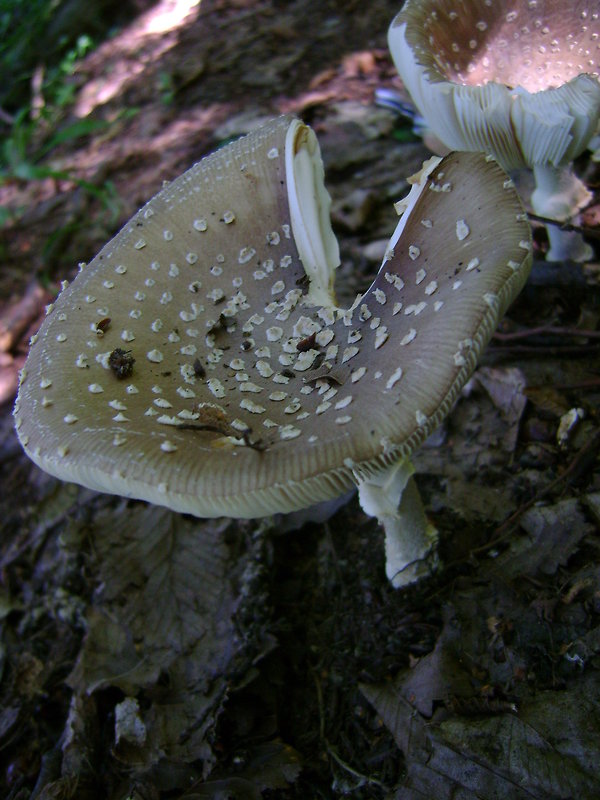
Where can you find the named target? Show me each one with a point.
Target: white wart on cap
(519, 81)
(199, 361)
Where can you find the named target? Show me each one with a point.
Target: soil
(299, 672)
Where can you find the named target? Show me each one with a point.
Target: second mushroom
(518, 80)
(201, 362)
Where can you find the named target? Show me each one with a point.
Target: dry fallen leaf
(547, 752)
(166, 630)
(553, 534)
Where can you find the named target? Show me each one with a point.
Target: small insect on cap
(517, 80)
(227, 382)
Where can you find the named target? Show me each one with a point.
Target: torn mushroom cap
(517, 80)
(249, 392)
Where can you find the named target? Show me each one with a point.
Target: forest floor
(296, 671)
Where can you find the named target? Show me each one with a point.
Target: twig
(543, 350)
(548, 330)
(593, 383)
(565, 226)
(363, 778)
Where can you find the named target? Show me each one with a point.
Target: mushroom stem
(560, 194)
(410, 539)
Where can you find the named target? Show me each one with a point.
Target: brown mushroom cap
(239, 388)
(530, 44)
(518, 80)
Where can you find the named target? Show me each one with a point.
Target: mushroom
(228, 381)
(518, 80)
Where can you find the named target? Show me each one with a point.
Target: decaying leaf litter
(139, 661)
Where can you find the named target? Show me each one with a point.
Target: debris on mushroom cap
(519, 81)
(222, 412)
